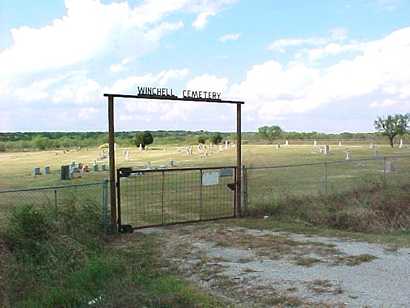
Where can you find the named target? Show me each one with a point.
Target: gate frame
(111, 141)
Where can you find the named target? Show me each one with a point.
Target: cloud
(379, 68)
(335, 35)
(208, 82)
(229, 37)
(206, 9)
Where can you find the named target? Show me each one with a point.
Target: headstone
(401, 144)
(47, 170)
(220, 148)
(326, 149)
(314, 143)
(371, 146)
(277, 146)
(36, 171)
(126, 154)
(287, 142)
(172, 163)
(340, 143)
(140, 147)
(226, 144)
(348, 155)
(65, 172)
(95, 168)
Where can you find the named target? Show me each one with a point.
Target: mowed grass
(16, 167)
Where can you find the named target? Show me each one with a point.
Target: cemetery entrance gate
(147, 198)
(207, 201)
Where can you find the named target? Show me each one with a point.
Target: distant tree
(270, 132)
(216, 138)
(392, 126)
(41, 143)
(202, 139)
(144, 139)
(2, 147)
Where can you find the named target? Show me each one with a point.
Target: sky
(328, 66)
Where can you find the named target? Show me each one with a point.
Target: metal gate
(157, 197)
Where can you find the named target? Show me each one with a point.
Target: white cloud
(380, 68)
(206, 9)
(229, 37)
(335, 35)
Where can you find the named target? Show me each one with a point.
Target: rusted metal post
(238, 159)
(111, 141)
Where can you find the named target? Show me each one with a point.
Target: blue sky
(328, 66)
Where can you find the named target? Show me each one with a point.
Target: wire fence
(56, 196)
(169, 196)
(265, 185)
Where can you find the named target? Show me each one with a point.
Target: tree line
(391, 127)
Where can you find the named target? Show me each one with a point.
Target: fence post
(200, 194)
(104, 203)
(162, 196)
(245, 189)
(55, 197)
(384, 170)
(325, 177)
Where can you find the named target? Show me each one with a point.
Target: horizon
(292, 66)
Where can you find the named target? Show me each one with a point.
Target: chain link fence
(55, 196)
(265, 185)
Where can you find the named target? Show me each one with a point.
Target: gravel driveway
(262, 268)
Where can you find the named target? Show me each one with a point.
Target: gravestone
(65, 172)
(340, 143)
(371, 146)
(226, 144)
(314, 143)
(401, 144)
(140, 147)
(36, 171)
(95, 168)
(126, 154)
(172, 163)
(47, 170)
(326, 150)
(277, 146)
(287, 142)
(348, 155)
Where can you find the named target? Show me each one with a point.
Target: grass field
(16, 167)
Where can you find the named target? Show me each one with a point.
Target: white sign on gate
(210, 178)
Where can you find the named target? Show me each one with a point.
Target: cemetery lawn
(16, 167)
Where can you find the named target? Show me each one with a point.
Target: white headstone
(314, 143)
(348, 157)
(371, 146)
(140, 147)
(226, 144)
(287, 142)
(326, 149)
(401, 144)
(340, 143)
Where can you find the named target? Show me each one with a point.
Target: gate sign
(166, 92)
(210, 178)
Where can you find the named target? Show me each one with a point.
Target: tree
(392, 126)
(202, 139)
(270, 132)
(216, 138)
(144, 139)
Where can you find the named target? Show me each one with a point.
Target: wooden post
(111, 141)
(238, 159)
